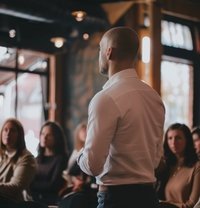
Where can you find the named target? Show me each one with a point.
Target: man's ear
(109, 53)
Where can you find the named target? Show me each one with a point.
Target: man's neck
(116, 67)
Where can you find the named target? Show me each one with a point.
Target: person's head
(80, 135)
(118, 46)
(178, 143)
(52, 137)
(196, 139)
(12, 136)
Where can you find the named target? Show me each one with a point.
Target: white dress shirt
(125, 131)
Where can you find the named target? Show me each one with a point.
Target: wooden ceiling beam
(182, 8)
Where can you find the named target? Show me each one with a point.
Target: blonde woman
(17, 164)
(75, 182)
(79, 141)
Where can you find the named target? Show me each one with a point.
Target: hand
(77, 184)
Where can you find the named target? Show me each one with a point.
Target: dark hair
(196, 130)
(60, 146)
(190, 156)
(20, 145)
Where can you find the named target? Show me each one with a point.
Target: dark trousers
(128, 196)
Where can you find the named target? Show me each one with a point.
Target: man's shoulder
(101, 96)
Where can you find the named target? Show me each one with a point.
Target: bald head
(118, 49)
(124, 40)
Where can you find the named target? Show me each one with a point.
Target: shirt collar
(120, 75)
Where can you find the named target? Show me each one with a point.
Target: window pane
(176, 91)
(176, 35)
(27, 60)
(29, 107)
(7, 57)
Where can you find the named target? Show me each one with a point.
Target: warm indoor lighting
(12, 33)
(21, 59)
(86, 36)
(146, 49)
(58, 41)
(79, 15)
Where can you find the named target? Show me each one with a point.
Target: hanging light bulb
(79, 15)
(12, 33)
(86, 36)
(58, 41)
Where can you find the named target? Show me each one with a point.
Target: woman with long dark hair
(180, 175)
(52, 160)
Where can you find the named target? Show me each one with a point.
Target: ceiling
(37, 21)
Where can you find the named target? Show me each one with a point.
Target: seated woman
(81, 189)
(179, 172)
(17, 164)
(52, 160)
(79, 141)
(196, 140)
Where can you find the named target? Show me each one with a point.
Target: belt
(104, 188)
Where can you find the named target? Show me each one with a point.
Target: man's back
(139, 112)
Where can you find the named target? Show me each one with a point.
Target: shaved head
(118, 50)
(124, 40)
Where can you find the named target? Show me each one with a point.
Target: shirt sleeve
(102, 124)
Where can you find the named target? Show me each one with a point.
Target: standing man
(125, 128)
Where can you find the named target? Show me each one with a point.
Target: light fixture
(12, 33)
(58, 41)
(146, 20)
(21, 59)
(79, 15)
(146, 49)
(86, 36)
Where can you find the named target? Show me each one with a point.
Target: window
(177, 72)
(177, 91)
(23, 90)
(176, 35)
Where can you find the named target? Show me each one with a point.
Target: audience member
(17, 164)
(196, 140)
(83, 193)
(179, 172)
(52, 160)
(79, 141)
(81, 189)
(125, 126)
